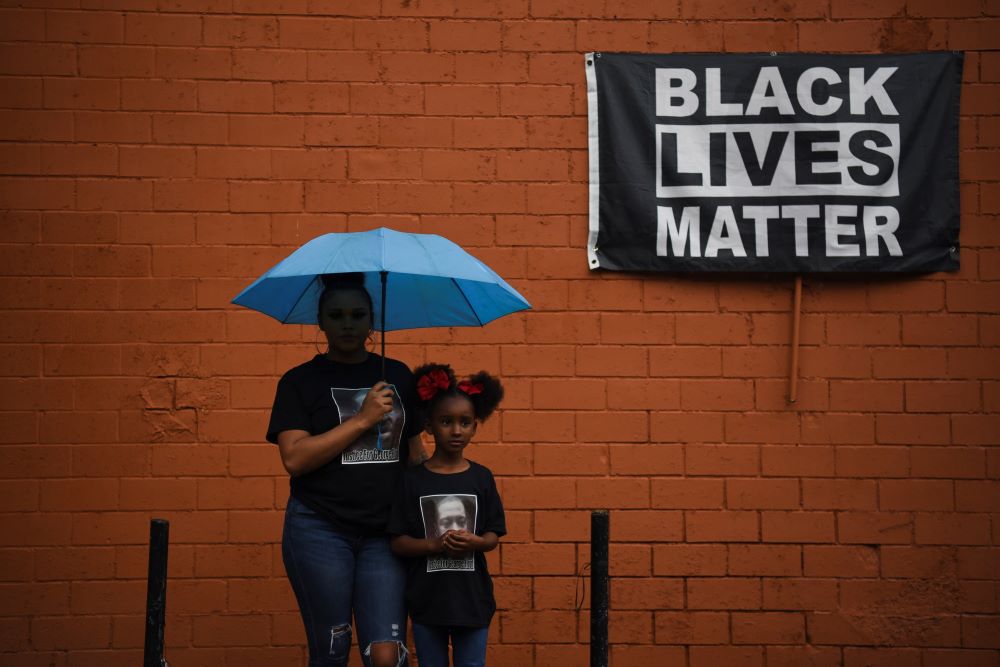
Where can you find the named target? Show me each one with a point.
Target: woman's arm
(412, 547)
(417, 452)
(302, 453)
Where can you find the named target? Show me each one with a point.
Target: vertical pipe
(156, 593)
(600, 598)
(793, 379)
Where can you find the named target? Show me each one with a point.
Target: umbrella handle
(384, 275)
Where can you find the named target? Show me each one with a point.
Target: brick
(912, 429)
(685, 361)
(689, 560)
(609, 361)
(651, 594)
(231, 630)
(839, 494)
(713, 329)
(34, 598)
(961, 462)
(722, 460)
(703, 656)
(716, 394)
(612, 426)
(765, 428)
(490, 133)
(768, 628)
(465, 36)
(80, 93)
(491, 67)
(754, 36)
(872, 461)
(243, 31)
(915, 494)
(939, 330)
(235, 96)
(841, 561)
(721, 526)
(555, 132)
(973, 363)
(28, 59)
(790, 656)
(193, 63)
(613, 493)
(419, 198)
(909, 363)
(612, 35)
(184, 128)
(951, 528)
(687, 493)
(740, 362)
(646, 460)
(638, 655)
(838, 429)
(156, 95)
(265, 196)
(537, 559)
(875, 527)
(539, 493)
(851, 396)
(723, 593)
(84, 27)
(539, 35)
(793, 527)
(764, 560)
(687, 36)
(535, 100)
(762, 494)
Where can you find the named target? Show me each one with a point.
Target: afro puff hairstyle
(436, 381)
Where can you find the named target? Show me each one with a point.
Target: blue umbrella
(428, 281)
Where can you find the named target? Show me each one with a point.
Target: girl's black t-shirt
(354, 491)
(442, 590)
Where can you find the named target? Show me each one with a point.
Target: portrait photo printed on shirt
(445, 512)
(370, 447)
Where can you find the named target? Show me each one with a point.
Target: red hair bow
(431, 383)
(470, 388)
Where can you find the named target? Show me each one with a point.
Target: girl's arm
(412, 547)
(302, 453)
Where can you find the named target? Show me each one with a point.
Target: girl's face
(346, 319)
(453, 423)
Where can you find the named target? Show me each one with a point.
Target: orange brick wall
(158, 155)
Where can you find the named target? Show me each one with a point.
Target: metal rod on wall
(156, 593)
(793, 379)
(600, 599)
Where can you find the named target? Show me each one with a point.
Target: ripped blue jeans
(333, 573)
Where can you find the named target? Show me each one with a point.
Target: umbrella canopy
(427, 280)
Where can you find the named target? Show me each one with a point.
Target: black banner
(761, 162)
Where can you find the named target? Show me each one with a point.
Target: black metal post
(600, 598)
(156, 593)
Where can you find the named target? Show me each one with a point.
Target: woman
(344, 436)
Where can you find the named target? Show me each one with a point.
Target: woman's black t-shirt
(354, 491)
(442, 590)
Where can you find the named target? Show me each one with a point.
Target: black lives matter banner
(758, 162)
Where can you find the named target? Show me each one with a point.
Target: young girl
(446, 515)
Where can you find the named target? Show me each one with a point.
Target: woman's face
(346, 319)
